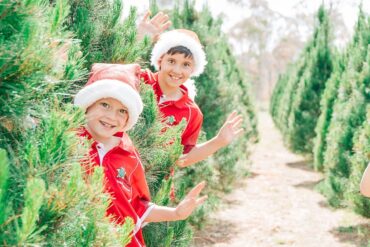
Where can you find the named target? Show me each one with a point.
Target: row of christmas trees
(47, 48)
(321, 104)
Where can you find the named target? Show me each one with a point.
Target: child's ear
(159, 62)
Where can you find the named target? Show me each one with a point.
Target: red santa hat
(180, 37)
(118, 81)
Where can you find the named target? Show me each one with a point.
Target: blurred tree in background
(295, 104)
(340, 140)
(348, 113)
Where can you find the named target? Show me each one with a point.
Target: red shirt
(125, 182)
(175, 111)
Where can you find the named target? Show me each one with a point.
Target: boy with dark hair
(178, 55)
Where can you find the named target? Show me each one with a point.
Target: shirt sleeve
(141, 201)
(190, 136)
(146, 76)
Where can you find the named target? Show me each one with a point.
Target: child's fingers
(201, 200)
(180, 162)
(231, 116)
(239, 132)
(146, 16)
(194, 192)
(163, 18)
(157, 17)
(165, 26)
(238, 123)
(236, 119)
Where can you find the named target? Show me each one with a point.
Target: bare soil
(279, 206)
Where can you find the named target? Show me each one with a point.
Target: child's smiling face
(175, 69)
(105, 118)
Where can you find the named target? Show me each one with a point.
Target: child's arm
(182, 211)
(365, 182)
(228, 132)
(153, 27)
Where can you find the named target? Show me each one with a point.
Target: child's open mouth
(177, 78)
(107, 125)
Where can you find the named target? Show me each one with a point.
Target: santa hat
(180, 37)
(118, 81)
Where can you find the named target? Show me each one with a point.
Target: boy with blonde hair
(113, 105)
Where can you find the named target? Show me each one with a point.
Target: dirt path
(278, 206)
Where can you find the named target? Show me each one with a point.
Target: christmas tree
(44, 197)
(295, 104)
(358, 163)
(349, 114)
(305, 108)
(326, 106)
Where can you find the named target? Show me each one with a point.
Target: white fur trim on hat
(118, 90)
(175, 38)
(192, 90)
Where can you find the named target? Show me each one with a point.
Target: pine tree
(105, 36)
(283, 100)
(305, 109)
(277, 94)
(329, 96)
(358, 164)
(44, 197)
(326, 106)
(349, 113)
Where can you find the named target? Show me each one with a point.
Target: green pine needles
(47, 49)
(335, 130)
(45, 199)
(297, 98)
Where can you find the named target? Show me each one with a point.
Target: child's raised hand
(231, 128)
(190, 202)
(153, 27)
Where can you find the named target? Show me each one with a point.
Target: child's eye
(187, 64)
(123, 111)
(171, 61)
(105, 105)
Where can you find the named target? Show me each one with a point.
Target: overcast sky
(232, 12)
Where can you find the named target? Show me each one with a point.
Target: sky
(232, 12)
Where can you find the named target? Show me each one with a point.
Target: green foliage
(305, 107)
(326, 106)
(105, 36)
(4, 180)
(283, 100)
(29, 62)
(349, 112)
(358, 163)
(295, 104)
(341, 138)
(44, 197)
(341, 66)
(33, 198)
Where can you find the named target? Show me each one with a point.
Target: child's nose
(176, 68)
(110, 114)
